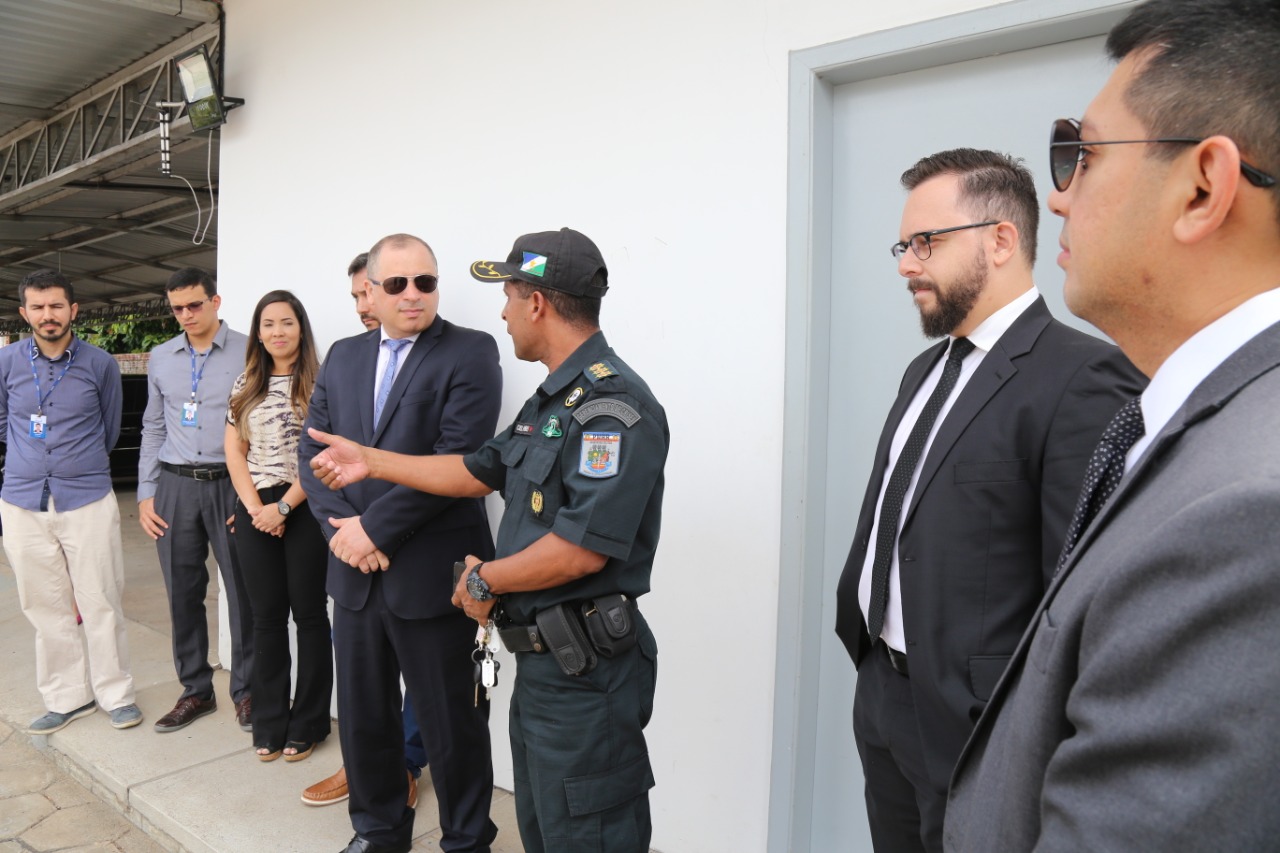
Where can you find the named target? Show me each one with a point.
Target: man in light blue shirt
(185, 498)
(60, 403)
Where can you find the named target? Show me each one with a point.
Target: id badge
(39, 426)
(189, 414)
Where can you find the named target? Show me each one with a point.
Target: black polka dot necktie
(1106, 467)
(900, 479)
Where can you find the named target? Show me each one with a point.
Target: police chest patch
(601, 454)
(524, 429)
(605, 406)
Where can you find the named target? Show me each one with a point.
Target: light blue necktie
(388, 376)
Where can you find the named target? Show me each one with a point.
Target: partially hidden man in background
(185, 496)
(974, 479)
(1141, 708)
(581, 471)
(60, 404)
(425, 386)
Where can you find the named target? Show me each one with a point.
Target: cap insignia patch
(534, 264)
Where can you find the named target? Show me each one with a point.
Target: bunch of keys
(486, 674)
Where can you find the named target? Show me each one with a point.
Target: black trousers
(904, 808)
(197, 512)
(374, 648)
(286, 575)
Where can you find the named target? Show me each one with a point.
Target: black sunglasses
(393, 284)
(1066, 150)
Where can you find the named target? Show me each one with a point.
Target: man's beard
(955, 302)
(53, 336)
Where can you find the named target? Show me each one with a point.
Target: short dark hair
(396, 241)
(359, 262)
(992, 186)
(190, 277)
(582, 312)
(43, 280)
(1211, 69)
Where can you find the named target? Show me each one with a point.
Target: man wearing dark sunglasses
(972, 487)
(418, 385)
(1140, 711)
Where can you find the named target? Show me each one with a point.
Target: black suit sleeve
(1091, 399)
(323, 501)
(469, 418)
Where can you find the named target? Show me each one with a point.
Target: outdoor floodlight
(206, 107)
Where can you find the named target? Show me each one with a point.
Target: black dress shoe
(364, 845)
(244, 713)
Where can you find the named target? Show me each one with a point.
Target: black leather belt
(897, 659)
(522, 638)
(196, 472)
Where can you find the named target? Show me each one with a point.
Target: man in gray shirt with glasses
(185, 498)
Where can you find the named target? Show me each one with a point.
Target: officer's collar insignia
(601, 454)
(607, 407)
(535, 502)
(534, 264)
(524, 429)
(574, 397)
(552, 429)
(601, 369)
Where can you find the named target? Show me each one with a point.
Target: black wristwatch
(284, 508)
(476, 585)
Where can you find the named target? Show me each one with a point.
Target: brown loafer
(329, 791)
(244, 713)
(187, 711)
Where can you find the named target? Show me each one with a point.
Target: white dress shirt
(983, 338)
(1200, 355)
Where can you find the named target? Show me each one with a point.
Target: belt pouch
(610, 624)
(565, 640)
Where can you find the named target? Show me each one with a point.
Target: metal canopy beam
(191, 10)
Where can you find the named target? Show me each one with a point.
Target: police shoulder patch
(606, 407)
(600, 370)
(601, 454)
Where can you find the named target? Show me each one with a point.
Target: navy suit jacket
(445, 400)
(981, 537)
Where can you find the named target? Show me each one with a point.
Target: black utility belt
(576, 632)
(196, 472)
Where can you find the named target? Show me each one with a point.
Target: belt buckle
(204, 475)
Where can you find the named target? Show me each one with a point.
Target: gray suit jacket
(1141, 711)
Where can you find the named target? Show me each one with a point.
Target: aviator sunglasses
(393, 284)
(1066, 150)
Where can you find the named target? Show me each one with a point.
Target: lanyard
(196, 377)
(41, 399)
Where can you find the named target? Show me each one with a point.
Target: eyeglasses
(922, 242)
(394, 284)
(1066, 150)
(190, 308)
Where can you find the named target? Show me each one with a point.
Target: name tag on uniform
(189, 414)
(601, 454)
(39, 426)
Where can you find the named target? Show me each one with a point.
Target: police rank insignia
(601, 454)
(552, 429)
(574, 397)
(535, 502)
(601, 369)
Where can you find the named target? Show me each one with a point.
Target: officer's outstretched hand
(341, 463)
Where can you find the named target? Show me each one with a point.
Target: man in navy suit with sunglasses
(418, 385)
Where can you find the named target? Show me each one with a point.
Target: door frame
(814, 75)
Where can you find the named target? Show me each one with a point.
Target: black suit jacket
(445, 400)
(981, 537)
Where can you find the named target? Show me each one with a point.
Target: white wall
(658, 129)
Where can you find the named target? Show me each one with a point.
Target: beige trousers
(64, 560)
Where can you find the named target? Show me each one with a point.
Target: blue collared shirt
(169, 379)
(82, 424)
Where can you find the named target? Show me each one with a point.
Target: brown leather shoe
(329, 791)
(187, 711)
(244, 714)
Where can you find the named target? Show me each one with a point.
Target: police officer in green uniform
(581, 472)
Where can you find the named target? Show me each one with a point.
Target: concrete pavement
(200, 789)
